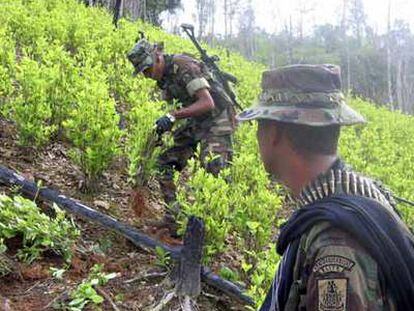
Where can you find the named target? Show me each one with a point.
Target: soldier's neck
(301, 173)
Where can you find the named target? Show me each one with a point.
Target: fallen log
(29, 189)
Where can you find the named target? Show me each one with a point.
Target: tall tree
(357, 19)
(226, 21)
(231, 8)
(148, 10)
(304, 8)
(212, 16)
(389, 77)
(246, 30)
(401, 42)
(202, 16)
(344, 27)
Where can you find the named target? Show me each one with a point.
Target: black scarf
(386, 240)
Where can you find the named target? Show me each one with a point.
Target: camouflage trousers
(215, 139)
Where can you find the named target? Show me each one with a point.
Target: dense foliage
(20, 218)
(64, 75)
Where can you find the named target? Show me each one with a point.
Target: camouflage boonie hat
(141, 56)
(303, 94)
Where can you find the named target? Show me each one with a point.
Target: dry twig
(146, 277)
(55, 299)
(107, 297)
(164, 302)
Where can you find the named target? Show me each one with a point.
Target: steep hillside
(74, 118)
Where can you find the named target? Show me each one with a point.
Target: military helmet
(303, 94)
(141, 55)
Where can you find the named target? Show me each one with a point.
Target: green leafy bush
(383, 149)
(7, 68)
(62, 75)
(31, 109)
(140, 136)
(92, 125)
(21, 218)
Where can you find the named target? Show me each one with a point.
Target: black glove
(164, 124)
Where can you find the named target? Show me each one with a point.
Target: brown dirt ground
(32, 288)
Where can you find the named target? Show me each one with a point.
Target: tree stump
(188, 280)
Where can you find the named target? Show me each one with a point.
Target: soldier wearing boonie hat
(337, 245)
(141, 56)
(303, 94)
(205, 106)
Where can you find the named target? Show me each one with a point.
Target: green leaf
(76, 302)
(97, 299)
(246, 267)
(252, 225)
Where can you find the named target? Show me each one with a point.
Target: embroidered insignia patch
(332, 294)
(332, 263)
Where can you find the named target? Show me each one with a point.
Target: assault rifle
(223, 77)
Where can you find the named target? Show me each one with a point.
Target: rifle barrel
(224, 77)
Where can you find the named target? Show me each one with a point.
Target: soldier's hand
(164, 124)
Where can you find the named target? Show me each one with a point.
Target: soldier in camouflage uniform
(329, 263)
(208, 111)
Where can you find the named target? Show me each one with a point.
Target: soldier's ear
(158, 55)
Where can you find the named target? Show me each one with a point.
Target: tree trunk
(212, 19)
(290, 42)
(348, 68)
(406, 87)
(399, 85)
(117, 12)
(344, 26)
(410, 97)
(226, 4)
(389, 77)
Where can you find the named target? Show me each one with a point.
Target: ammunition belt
(340, 181)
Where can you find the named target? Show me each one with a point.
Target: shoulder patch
(197, 84)
(332, 294)
(332, 263)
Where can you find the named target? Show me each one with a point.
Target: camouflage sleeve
(191, 77)
(342, 276)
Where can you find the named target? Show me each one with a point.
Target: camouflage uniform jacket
(184, 76)
(332, 271)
